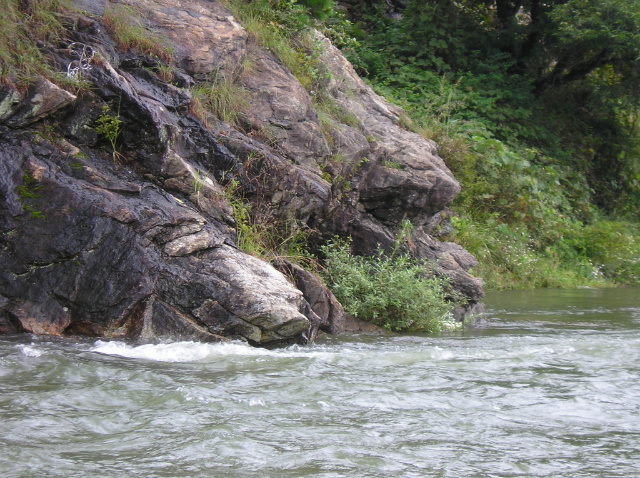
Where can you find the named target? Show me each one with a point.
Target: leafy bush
(393, 291)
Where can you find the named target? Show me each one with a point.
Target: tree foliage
(535, 105)
(559, 76)
(554, 41)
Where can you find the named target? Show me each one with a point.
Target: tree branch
(563, 74)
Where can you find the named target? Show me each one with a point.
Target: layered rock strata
(141, 243)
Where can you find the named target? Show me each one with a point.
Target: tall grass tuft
(126, 25)
(24, 24)
(222, 97)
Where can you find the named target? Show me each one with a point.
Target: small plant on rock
(109, 126)
(393, 165)
(28, 192)
(198, 182)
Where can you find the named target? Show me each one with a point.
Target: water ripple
(550, 394)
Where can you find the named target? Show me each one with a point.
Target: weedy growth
(391, 290)
(221, 97)
(126, 25)
(109, 126)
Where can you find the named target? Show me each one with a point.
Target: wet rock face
(140, 243)
(118, 260)
(43, 99)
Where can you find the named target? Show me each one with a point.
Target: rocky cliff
(136, 237)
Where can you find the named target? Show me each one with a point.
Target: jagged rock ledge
(127, 247)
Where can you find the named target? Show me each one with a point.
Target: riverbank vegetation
(391, 290)
(535, 107)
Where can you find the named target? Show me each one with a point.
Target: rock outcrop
(141, 242)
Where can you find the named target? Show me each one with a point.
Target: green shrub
(393, 291)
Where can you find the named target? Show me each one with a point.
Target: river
(548, 387)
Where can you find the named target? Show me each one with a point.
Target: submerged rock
(140, 242)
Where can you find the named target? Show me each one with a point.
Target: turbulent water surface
(548, 387)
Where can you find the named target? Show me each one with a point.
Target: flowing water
(548, 387)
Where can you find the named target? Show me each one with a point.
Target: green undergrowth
(511, 256)
(23, 26)
(525, 210)
(393, 291)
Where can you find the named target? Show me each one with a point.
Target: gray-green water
(549, 387)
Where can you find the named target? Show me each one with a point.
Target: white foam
(176, 351)
(198, 351)
(30, 351)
